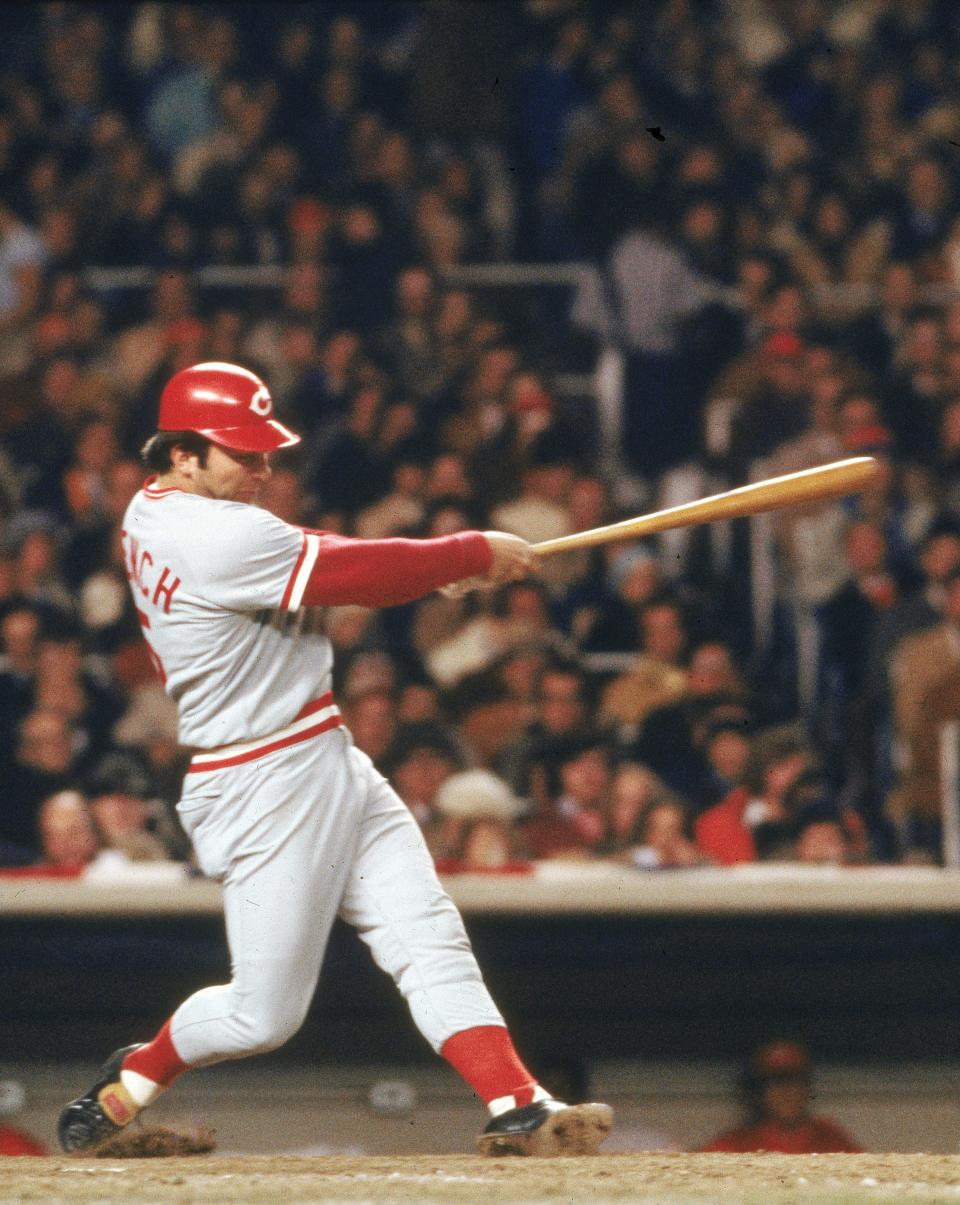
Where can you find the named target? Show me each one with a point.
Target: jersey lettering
(165, 591)
(208, 579)
(137, 563)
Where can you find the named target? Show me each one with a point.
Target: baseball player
(281, 807)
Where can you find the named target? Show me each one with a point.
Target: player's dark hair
(156, 453)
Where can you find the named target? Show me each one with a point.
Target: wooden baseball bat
(834, 480)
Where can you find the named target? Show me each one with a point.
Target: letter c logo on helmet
(262, 403)
(225, 403)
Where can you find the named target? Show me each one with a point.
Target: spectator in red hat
(777, 409)
(777, 1089)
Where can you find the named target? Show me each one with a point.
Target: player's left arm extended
(386, 573)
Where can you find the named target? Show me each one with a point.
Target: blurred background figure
(14, 1140)
(662, 838)
(777, 1091)
(726, 833)
(477, 828)
(571, 823)
(69, 841)
(123, 824)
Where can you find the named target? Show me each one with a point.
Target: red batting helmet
(227, 404)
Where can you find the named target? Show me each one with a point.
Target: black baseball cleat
(547, 1127)
(104, 1108)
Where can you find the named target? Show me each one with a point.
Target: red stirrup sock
(147, 1071)
(485, 1057)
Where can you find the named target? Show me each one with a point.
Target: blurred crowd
(763, 199)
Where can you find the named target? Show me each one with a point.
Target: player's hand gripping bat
(835, 480)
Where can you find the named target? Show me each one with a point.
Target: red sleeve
(385, 573)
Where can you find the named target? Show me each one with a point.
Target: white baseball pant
(297, 837)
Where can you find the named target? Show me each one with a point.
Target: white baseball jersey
(218, 588)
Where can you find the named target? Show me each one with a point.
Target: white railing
(551, 889)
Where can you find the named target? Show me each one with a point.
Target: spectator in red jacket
(725, 833)
(778, 1092)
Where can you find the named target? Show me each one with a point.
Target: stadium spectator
(663, 838)
(777, 1089)
(404, 508)
(371, 716)
(919, 665)
(849, 620)
(820, 839)
(724, 742)
(669, 741)
(20, 630)
(65, 686)
(44, 763)
(647, 826)
(573, 821)
(477, 829)
(122, 823)
(68, 837)
(22, 259)
(875, 336)
(656, 678)
(657, 427)
(726, 833)
(777, 410)
(560, 710)
(422, 757)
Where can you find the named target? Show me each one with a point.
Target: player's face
(232, 476)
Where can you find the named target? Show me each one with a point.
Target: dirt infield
(664, 1179)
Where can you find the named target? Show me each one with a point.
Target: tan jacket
(919, 663)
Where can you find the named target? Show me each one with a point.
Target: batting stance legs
(297, 837)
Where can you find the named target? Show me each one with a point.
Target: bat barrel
(835, 480)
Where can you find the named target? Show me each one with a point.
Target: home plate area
(663, 1178)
